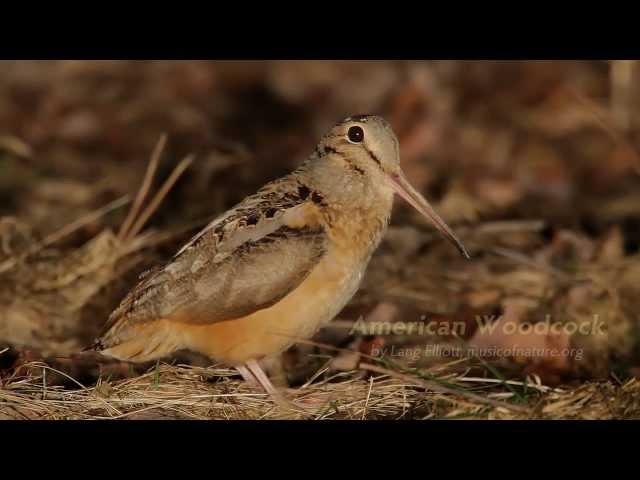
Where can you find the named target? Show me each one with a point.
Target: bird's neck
(356, 208)
(346, 188)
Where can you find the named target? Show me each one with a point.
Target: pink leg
(247, 375)
(253, 374)
(254, 367)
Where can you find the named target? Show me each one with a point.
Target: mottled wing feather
(245, 260)
(257, 275)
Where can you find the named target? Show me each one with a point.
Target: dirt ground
(534, 164)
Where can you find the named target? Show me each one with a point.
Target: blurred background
(534, 164)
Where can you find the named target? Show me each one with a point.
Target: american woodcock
(279, 265)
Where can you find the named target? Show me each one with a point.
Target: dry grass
(188, 392)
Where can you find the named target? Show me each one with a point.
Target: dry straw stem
(442, 389)
(192, 392)
(15, 146)
(152, 166)
(622, 92)
(520, 258)
(606, 119)
(417, 381)
(158, 197)
(188, 392)
(137, 217)
(65, 231)
(181, 391)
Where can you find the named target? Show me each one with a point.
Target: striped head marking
(365, 141)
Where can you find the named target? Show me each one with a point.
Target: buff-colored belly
(315, 302)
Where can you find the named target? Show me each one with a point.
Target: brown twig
(158, 197)
(144, 188)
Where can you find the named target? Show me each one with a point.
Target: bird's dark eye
(356, 134)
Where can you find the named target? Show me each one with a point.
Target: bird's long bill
(403, 188)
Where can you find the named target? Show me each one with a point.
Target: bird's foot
(255, 376)
(247, 375)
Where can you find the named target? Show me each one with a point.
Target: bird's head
(367, 147)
